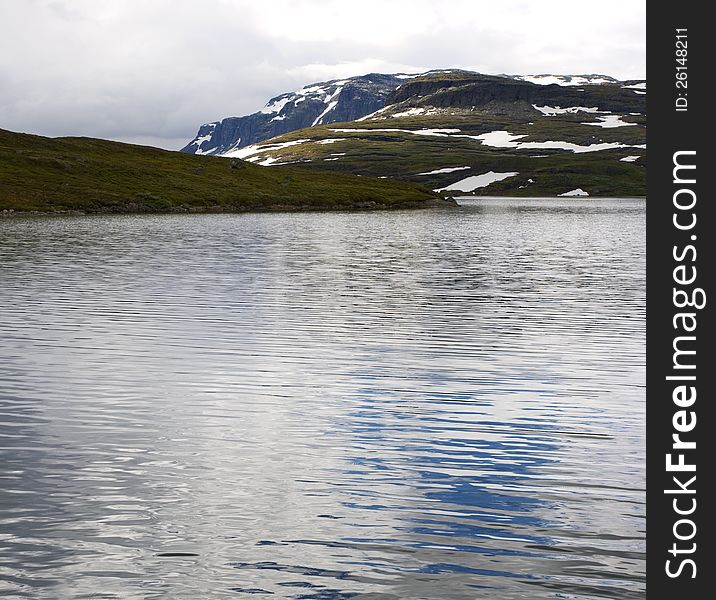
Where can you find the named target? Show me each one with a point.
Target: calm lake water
(440, 404)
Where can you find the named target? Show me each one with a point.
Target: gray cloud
(150, 71)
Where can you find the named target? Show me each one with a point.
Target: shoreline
(587, 198)
(448, 203)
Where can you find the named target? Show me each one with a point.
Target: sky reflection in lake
(428, 404)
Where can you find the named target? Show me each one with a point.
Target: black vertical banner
(680, 365)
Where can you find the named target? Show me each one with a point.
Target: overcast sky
(151, 71)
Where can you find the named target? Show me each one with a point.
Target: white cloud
(156, 69)
(323, 72)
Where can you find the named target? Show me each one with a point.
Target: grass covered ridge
(91, 175)
(403, 156)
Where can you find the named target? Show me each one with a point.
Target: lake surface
(441, 404)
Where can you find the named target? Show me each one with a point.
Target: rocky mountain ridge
(354, 98)
(461, 132)
(314, 104)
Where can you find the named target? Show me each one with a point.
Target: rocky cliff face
(316, 104)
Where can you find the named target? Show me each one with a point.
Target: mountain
(315, 104)
(90, 175)
(466, 133)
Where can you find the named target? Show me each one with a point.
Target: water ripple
(422, 404)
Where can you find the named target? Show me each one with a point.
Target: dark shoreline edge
(585, 198)
(447, 203)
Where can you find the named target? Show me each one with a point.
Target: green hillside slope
(84, 174)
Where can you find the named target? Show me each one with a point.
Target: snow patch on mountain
(636, 86)
(551, 111)
(474, 182)
(577, 192)
(566, 80)
(410, 112)
(610, 121)
(435, 132)
(505, 139)
(258, 148)
(331, 102)
(276, 105)
(445, 170)
(200, 139)
(311, 89)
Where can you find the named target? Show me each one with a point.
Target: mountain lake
(443, 404)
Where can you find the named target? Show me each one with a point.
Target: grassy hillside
(84, 174)
(404, 156)
(438, 129)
